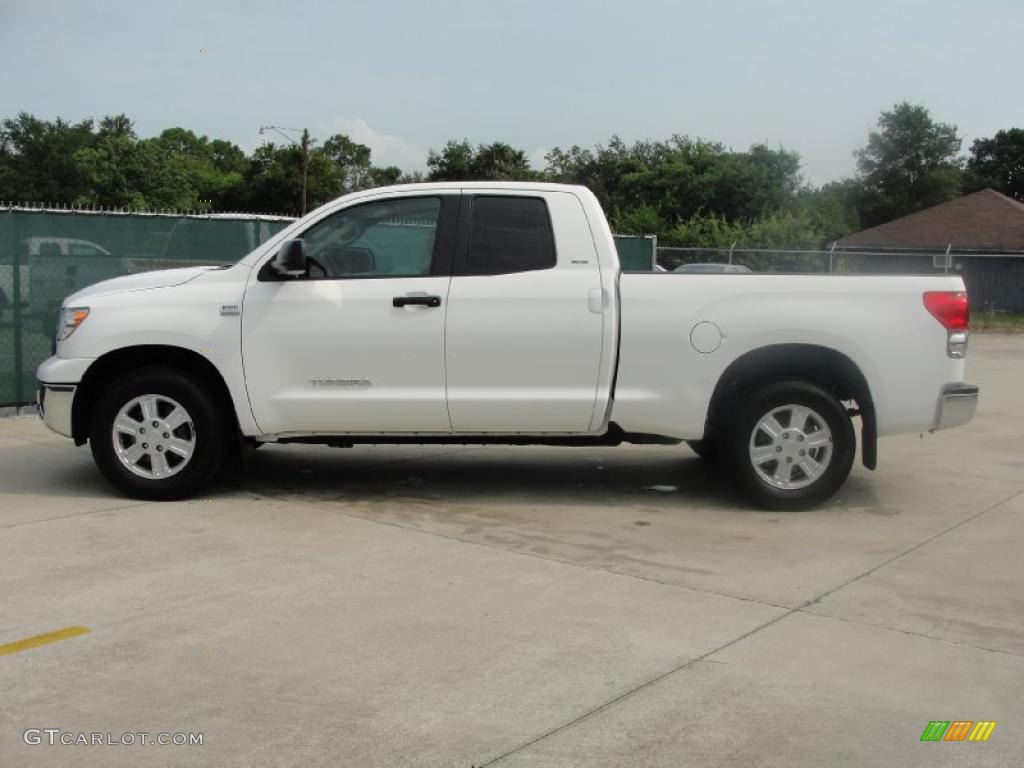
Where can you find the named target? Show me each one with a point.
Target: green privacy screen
(636, 252)
(46, 255)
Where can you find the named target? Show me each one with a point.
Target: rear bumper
(956, 406)
(53, 401)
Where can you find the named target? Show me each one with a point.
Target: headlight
(70, 319)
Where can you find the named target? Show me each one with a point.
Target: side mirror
(291, 259)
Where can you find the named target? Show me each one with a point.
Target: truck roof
(538, 186)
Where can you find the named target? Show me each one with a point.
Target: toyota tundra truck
(480, 313)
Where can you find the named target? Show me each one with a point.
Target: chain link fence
(994, 280)
(47, 254)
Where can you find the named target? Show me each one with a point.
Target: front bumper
(53, 401)
(957, 405)
(58, 379)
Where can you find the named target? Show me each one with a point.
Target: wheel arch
(120, 361)
(828, 368)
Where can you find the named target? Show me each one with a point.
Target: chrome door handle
(426, 301)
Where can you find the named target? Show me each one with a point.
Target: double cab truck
(497, 313)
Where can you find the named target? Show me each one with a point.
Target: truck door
(524, 328)
(357, 343)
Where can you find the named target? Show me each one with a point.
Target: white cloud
(385, 148)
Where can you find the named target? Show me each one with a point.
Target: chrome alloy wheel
(791, 447)
(154, 437)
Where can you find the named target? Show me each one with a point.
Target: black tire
(825, 407)
(707, 448)
(206, 429)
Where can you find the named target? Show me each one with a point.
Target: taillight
(951, 309)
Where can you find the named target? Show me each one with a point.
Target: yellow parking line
(49, 637)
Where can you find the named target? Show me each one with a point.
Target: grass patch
(997, 322)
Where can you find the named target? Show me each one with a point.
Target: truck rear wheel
(156, 434)
(792, 445)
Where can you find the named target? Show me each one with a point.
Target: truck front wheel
(156, 434)
(792, 445)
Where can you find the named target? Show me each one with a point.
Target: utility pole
(304, 145)
(305, 166)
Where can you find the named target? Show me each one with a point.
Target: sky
(404, 76)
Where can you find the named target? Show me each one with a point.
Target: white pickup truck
(497, 313)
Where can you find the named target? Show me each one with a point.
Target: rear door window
(510, 234)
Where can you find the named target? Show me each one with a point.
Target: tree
(780, 230)
(832, 209)
(352, 161)
(459, 161)
(501, 162)
(661, 184)
(385, 177)
(998, 162)
(911, 162)
(37, 158)
(273, 180)
(106, 164)
(113, 170)
(193, 173)
(453, 163)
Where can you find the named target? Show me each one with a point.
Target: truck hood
(142, 281)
